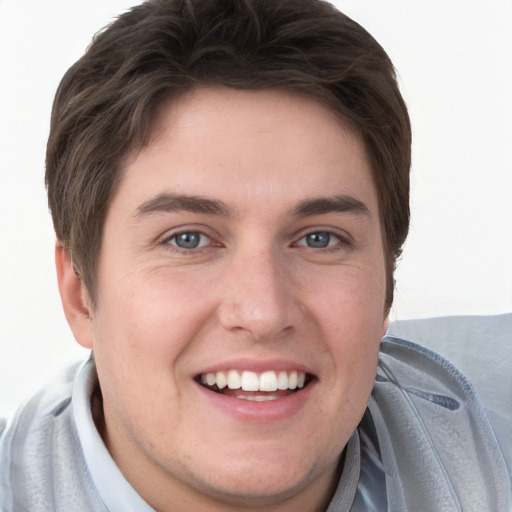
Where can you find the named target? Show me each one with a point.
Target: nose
(258, 298)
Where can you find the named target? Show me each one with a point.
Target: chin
(267, 480)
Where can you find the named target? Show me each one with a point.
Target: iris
(318, 240)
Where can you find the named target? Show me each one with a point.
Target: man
(229, 187)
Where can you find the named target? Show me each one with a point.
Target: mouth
(254, 386)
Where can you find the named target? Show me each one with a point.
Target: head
(160, 49)
(229, 184)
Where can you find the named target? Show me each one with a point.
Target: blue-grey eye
(188, 240)
(318, 240)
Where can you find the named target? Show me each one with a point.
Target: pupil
(187, 240)
(318, 240)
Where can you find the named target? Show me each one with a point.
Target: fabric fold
(436, 444)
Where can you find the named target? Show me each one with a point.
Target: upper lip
(257, 366)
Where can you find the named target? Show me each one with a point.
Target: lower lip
(269, 411)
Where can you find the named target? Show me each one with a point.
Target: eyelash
(342, 243)
(343, 240)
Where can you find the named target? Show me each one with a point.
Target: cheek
(141, 331)
(151, 310)
(352, 306)
(145, 329)
(358, 327)
(351, 317)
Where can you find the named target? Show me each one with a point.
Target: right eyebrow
(176, 202)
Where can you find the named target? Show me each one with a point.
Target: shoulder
(39, 449)
(40, 412)
(469, 342)
(481, 348)
(431, 421)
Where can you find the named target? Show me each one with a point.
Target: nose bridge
(258, 295)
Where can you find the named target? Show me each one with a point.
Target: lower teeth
(258, 398)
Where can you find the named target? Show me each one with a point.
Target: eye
(319, 240)
(189, 240)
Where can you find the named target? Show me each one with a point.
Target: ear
(74, 297)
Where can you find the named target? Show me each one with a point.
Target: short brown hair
(105, 102)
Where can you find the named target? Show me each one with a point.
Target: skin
(253, 294)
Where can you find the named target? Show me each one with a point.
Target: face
(241, 288)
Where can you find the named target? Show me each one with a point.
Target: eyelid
(185, 228)
(342, 235)
(204, 231)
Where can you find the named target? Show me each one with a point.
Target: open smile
(253, 386)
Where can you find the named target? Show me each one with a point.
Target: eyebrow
(336, 204)
(177, 202)
(168, 202)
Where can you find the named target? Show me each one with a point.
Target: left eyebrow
(336, 204)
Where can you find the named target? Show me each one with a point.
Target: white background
(454, 59)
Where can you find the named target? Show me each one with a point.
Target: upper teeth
(252, 381)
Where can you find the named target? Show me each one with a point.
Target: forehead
(218, 139)
(238, 112)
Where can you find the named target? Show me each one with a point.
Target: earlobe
(74, 297)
